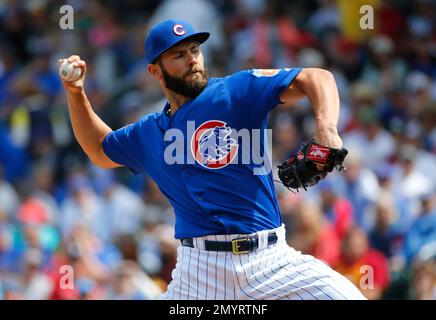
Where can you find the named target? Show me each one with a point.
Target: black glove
(300, 170)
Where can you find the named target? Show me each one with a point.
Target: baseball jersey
(197, 161)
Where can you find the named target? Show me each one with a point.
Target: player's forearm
(320, 88)
(88, 128)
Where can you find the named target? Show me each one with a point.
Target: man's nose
(192, 59)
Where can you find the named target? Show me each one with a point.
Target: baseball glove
(300, 170)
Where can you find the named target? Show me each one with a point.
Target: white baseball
(69, 72)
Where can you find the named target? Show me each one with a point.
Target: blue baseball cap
(167, 34)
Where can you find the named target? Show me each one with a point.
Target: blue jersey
(204, 169)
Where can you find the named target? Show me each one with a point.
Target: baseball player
(232, 240)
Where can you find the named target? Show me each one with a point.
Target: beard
(188, 88)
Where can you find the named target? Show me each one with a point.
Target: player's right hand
(74, 86)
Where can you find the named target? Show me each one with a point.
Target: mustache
(192, 71)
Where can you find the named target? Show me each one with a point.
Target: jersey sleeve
(125, 146)
(259, 89)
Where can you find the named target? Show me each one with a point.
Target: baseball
(68, 72)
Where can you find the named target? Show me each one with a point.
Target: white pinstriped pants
(273, 272)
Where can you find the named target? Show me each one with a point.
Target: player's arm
(319, 86)
(88, 128)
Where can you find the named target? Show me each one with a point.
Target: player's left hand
(310, 165)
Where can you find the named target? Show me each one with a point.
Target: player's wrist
(76, 92)
(328, 138)
(326, 129)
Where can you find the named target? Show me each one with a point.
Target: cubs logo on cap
(178, 30)
(167, 34)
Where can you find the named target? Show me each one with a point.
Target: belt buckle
(235, 246)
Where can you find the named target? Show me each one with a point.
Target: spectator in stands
(423, 284)
(360, 186)
(367, 268)
(408, 181)
(386, 236)
(370, 138)
(423, 230)
(314, 235)
(337, 209)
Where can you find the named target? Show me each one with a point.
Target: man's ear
(155, 70)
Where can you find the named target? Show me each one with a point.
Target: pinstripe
(225, 275)
(317, 278)
(233, 279)
(237, 277)
(291, 260)
(329, 279)
(216, 269)
(182, 276)
(291, 280)
(277, 279)
(323, 275)
(207, 269)
(234, 286)
(256, 254)
(198, 268)
(181, 270)
(332, 279)
(288, 261)
(345, 283)
(189, 275)
(236, 274)
(245, 274)
(337, 279)
(274, 252)
(273, 258)
(248, 280)
(310, 284)
(262, 254)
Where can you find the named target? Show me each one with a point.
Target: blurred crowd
(69, 230)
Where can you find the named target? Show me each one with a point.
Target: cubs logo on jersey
(212, 145)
